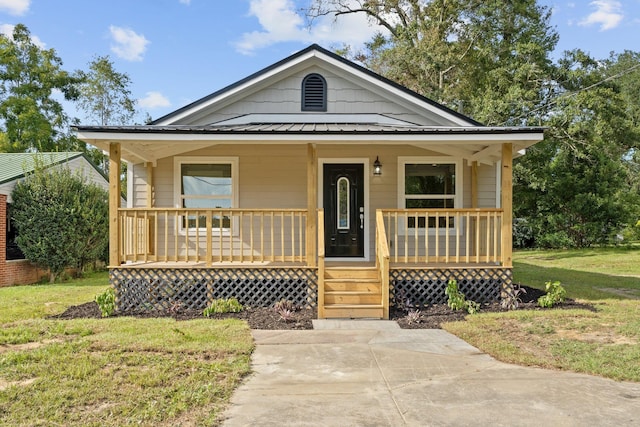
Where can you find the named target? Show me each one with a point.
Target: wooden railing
(382, 262)
(450, 236)
(212, 235)
(321, 264)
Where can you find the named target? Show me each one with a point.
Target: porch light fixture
(377, 167)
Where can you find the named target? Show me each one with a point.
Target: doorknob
(361, 221)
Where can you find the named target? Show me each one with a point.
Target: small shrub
(285, 310)
(414, 316)
(107, 302)
(512, 297)
(556, 294)
(457, 300)
(223, 305)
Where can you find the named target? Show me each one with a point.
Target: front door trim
(368, 216)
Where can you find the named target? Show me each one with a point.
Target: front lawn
(116, 371)
(603, 342)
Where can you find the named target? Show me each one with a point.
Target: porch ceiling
(150, 143)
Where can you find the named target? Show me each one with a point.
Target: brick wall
(19, 272)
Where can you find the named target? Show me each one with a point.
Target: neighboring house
(313, 180)
(14, 269)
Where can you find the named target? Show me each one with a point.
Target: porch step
(352, 292)
(353, 311)
(351, 273)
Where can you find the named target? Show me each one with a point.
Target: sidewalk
(386, 376)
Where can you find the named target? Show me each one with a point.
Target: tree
(104, 95)
(31, 118)
(62, 221)
(573, 188)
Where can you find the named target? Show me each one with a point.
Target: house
(313, 180)
(14, 269)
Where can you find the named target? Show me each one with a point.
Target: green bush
(223, 305)
(555, 295)
(107, 302)
(62, 221)
(457, 300)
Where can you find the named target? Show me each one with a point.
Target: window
(314, 93)
(343, 203)
(430, 183)
(207, 183)
(13, 252)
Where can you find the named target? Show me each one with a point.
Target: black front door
(344, 215)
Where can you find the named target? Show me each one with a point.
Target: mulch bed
(432, 317)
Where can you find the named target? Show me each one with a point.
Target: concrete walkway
(380, 375)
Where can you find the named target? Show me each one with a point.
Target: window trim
(303, 93)
(459, 185)
(178, 161)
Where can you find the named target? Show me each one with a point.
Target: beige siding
(343, 97)
(274, 176)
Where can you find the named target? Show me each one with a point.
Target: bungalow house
(14, 268)
(313, 180)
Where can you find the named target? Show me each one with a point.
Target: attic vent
(314, 93)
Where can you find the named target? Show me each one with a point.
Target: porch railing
(212, 235)
(449, 236)
(382, 262)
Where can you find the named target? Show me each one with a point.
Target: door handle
(361, 221)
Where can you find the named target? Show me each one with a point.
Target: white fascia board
(233, 91)
(92, 137)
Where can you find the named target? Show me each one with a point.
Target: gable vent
(314, 93)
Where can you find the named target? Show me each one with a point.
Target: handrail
(445, 236)
(321, 314)
(382, 262)
(212, 235)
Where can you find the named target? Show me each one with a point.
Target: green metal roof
(15, 165)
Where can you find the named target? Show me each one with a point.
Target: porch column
(506, 193)
(114, 203)
(474, 184)
(312, 204)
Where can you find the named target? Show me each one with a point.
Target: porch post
(474, 184)
(114, 203)
(506, 190)
(312, 204)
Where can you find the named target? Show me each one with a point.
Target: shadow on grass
(579, 284)
(558, 254)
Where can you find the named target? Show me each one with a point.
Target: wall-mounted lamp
(377, 167)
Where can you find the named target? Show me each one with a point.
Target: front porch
(188, 257)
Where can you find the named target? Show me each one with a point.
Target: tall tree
(105, 97)
(31, 118)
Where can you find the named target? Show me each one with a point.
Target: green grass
(115, 371)
(604, 341)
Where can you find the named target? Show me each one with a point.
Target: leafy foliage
(457, 300)
(286, 310)
(556, 293)
(107, 302)
(511, 300)
(29, 74)
(223, 305)
(62, 220)
(414, 316)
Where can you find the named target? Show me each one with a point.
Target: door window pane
(343, 203)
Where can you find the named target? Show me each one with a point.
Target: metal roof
(309, 128)
(15, 165)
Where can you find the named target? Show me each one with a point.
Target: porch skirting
(194, 288)
(421, 287)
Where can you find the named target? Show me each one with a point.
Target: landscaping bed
(431, 317)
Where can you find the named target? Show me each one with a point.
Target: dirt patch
(6, 384)
(623, 292)
(26, 346)
(608, 337)
(431, 317)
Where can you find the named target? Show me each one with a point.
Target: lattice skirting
(424, 287)
(171, 288)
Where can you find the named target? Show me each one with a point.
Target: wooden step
(351, 273)
(349, 311)
(351, 297)
(362, 285)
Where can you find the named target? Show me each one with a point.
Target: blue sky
(176, 51)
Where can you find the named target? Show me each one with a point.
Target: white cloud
(154, 100)
(187, 2)
(128, 44)
(608, 14)
(15, 7)
(280, 22)
(7, 30)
